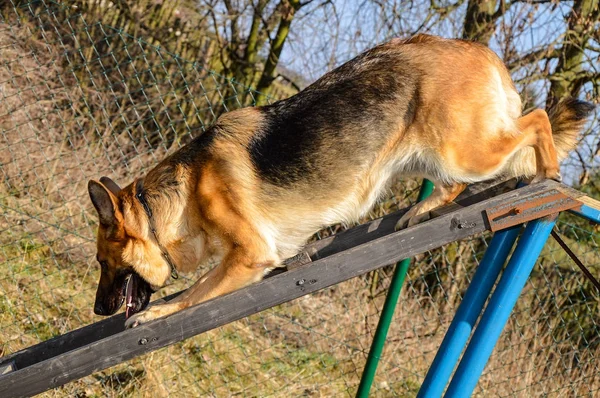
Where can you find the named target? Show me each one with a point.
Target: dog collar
(139, 194)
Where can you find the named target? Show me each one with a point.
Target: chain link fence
(80, 99)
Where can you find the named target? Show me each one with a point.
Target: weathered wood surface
(385, 225)
(69, 341)
(334, 260)
(361, 234)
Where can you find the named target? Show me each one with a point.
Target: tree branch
(305, 3)
(287, 15)
(289, 80)
(502, 7)
(534, 56)
(443, 10)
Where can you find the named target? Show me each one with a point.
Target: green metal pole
(387, 313)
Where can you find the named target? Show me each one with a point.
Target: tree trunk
(253, 45)
(570, 76)
(288, 11)
(480, 20)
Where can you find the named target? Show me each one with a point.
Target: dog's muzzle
(130, 288)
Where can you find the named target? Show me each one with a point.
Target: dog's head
(131, 267)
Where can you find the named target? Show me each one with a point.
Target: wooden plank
(71, 340)
(591, 202)
(7, 367)
(445, 210)
(383, 226)
(281, 288)
(344, 240)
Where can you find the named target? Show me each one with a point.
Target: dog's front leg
(238, 269)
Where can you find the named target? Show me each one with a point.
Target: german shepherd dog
(261, 181)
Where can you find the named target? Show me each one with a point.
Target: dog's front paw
(411, 217)
(154, 312)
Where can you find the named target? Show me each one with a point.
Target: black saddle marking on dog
(345, 114)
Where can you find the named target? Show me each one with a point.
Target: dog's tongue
(137, 294)
(130, 290)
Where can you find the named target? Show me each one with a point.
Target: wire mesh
(80, 99)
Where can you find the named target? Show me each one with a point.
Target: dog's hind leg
(490, 153)
(489, 158)
(441, 195)
(536, 127)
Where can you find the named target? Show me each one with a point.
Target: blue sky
(320, 41)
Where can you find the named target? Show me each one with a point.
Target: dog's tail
(567, 119)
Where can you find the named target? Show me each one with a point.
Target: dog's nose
(99, 309)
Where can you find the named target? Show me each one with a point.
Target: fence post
(387, 313)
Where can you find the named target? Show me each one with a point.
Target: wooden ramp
(321, 264)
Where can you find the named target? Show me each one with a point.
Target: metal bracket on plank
(529, 208)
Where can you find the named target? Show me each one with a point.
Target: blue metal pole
(469, 310)
(588, 212)
(500, 306)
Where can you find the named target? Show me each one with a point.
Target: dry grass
(63, 123)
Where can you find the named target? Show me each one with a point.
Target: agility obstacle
(496, 206)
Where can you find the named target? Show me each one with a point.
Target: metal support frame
(500, 306)
(501, 302)
(496, 313)
(506, 219)
(469, 310)
(589, 211)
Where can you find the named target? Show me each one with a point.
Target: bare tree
(575, 66)
(252, 36)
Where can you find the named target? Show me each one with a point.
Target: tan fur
(463, 124)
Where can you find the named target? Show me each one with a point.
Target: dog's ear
(111, 185)
(105, 203)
